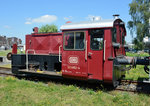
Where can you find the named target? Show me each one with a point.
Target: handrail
(60, 53)
(27, 61)
(86, 50)
(104, 49)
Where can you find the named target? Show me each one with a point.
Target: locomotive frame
(84, 51)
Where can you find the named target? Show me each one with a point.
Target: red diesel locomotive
(85, 51)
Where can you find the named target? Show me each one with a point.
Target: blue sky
(18, 17)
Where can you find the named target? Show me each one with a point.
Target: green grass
(137, 73)
(6, 65)
(5, 52)
(16, 92)
(137, 54)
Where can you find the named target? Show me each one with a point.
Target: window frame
(123, 38)
(74, 40)
(114, 37)
(103, 40)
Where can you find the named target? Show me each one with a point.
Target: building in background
(6, 43)
(13, 40)
(3, 41)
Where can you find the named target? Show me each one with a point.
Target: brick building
(8, 42)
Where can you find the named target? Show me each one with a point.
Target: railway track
(5, 68)
(125, 85)
(134, 86)
(5, 71)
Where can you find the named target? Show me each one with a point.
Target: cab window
(96, 39)
(74, 40)
(114, 35)
(69, 40)
(123, 38)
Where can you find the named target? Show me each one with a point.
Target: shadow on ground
(141, 87)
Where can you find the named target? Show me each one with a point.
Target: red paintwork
(74, 62)
(108, 64)
(14, 49)
(121, 50)
(74, 70)
(95, 63)
(95, 67)
(35, 29)
(47, 43)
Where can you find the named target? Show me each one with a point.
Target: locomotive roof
(89, 24)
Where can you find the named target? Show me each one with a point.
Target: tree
(48, 28)
(140, 14)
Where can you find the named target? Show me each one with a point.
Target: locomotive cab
(90, 48)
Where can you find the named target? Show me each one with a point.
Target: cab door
(95, 54)
(74, 61)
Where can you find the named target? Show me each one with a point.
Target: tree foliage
(48, 28)
(140, 14)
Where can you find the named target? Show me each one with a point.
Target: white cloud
(42, 19)
(28, 22)
(92, 17)
(68, 18)
(7, 26)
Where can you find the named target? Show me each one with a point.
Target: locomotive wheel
(9, 56)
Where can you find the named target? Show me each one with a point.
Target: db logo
(73, 60)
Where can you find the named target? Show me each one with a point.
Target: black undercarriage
(33, 63)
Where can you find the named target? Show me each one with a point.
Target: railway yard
(125, 85)
(85, 60)
(133, 82)
(63, 91)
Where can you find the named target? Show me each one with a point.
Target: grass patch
(137, 54)
(16, 92)
(6, 65)
(137, 73)
(20, 92)
(4, 52)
